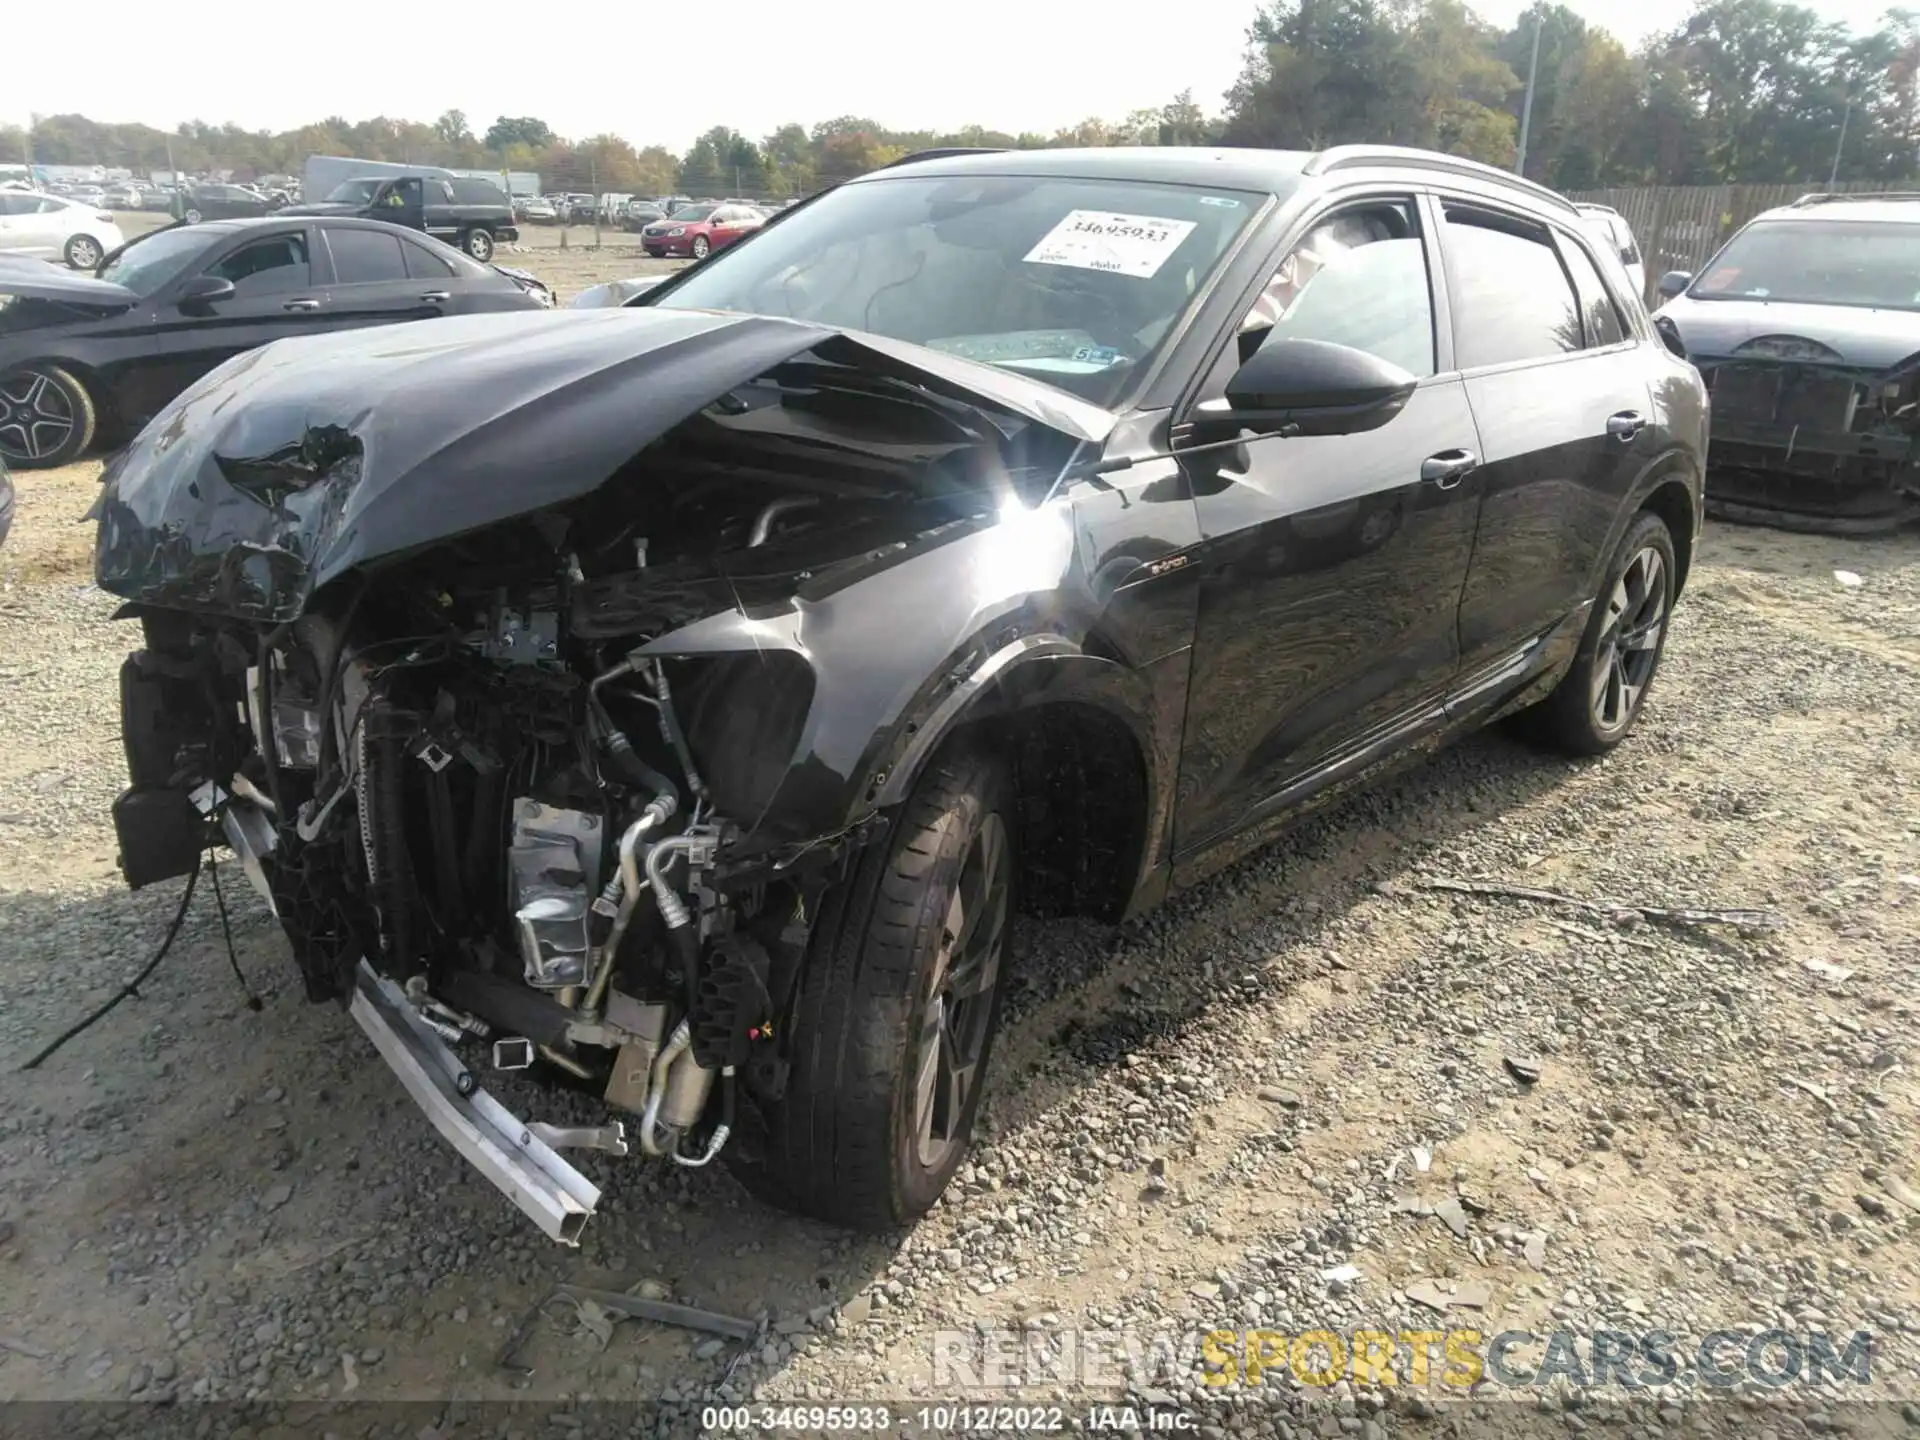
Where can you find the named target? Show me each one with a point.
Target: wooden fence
(1680, 226)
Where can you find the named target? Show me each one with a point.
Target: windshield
(150, 262)
(1819, 262)
(694, 212)
(1073, 281)
(353, 192)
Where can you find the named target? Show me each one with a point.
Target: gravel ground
(1530, 1117)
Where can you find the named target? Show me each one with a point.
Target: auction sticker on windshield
(1136, 245)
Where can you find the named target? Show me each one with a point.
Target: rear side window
(266, 267)
(478, 192)
(361, 257)
(1604, 326)
(423, 264)
(1511, 297)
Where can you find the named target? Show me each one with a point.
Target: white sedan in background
(52, 227)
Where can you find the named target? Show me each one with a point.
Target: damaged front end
(1804, 441)
(543, 676)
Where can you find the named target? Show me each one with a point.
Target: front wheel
(193, 217)
(700, 247)
(478, 244)
(83, 252)
(46, 417)
(1597, 702)
(897, 1010)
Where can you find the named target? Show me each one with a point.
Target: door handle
(1626, 424)
(437, 297)
(301, 305)
(1448, 468)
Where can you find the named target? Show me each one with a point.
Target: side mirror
(1674, 282)
(205, 290)
(1317, 386)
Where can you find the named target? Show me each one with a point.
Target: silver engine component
(516, 637)
(628, 1085)
(553, 867)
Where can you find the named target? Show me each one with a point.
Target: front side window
(1511, 298)
(353, 192)
(1074, 281)
(266, 267)
(1818, 262)
(363, 257)
(1358, 279)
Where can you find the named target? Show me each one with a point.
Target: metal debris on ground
(1450, 1295)
(1849, 579)
(1827, 968)
(1525, 1071)
(1673, 914)
(593, 1307)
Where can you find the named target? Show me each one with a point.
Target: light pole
(1526, 106)
(1833, 175)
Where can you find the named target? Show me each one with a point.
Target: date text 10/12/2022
(944, 1418)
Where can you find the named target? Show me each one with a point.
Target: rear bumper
(508, 233)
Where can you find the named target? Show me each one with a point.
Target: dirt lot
(1533, 1118)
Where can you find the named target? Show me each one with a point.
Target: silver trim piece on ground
(557, 1197)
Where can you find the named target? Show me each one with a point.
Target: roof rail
(942, 152)
(1826, 197)
(1347, 157)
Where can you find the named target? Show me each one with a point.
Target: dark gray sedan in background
(1806, 326)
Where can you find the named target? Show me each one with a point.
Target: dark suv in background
(470, 215)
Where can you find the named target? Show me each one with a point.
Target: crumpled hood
(33, 279)
(292, 464)
(1867, 339)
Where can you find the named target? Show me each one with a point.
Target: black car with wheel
(86, 358)
(677, 698)
(221, 202)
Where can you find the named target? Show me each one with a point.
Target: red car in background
(698, 230)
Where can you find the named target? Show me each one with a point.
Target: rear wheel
(83, 252)
(1596, 704)
(46, 417)
(898, 1007)
(478, 244)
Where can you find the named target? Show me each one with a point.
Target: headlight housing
(677, 230)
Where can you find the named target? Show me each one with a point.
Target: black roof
(1272, 171)
(1267, 170)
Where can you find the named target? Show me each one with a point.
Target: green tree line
(1742, 91)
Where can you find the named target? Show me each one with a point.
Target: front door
(1559, 391)
(1331, 566)
(273, 297)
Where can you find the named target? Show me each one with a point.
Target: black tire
(845, 1143)
(47, 418)
(83, 252)
(478, 244)
(1581, 717)
(700, 247)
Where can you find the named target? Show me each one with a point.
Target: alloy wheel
(83, 252)
(959, 1009)
(36, 416)
(700, 247)
(1629, 648)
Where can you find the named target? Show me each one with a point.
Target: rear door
(1560, 398)
(273, 298)
(369, 280)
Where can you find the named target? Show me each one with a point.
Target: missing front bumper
(558, 1198)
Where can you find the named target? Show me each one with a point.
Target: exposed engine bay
(1803, 441)
(492, 804)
